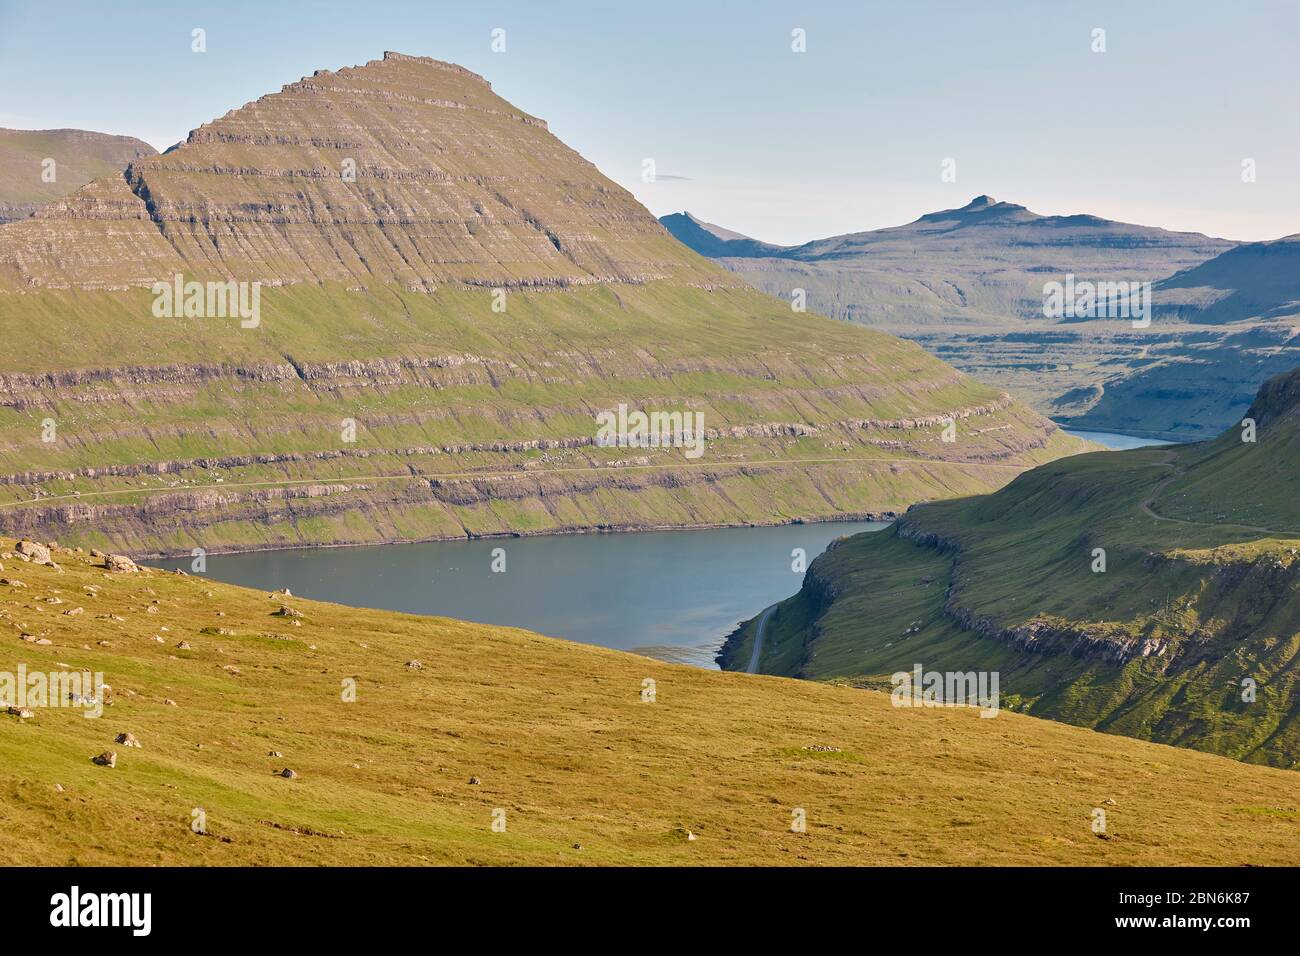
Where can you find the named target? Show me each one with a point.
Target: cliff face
(449, 297)
(40, 166)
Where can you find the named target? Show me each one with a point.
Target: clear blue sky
(780, 145)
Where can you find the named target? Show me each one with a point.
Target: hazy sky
(784, 146)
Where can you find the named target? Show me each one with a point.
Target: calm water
(674, 595)
(1114, 441)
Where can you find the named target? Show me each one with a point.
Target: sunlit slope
(454, 726)
(1197, 610)
(449, 296)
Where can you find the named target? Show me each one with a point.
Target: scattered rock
(275, 753)
(58, 788)
(474, 781)
(74, 611)
(120, 563)
(288, 774)
(13, 582)
(184, 646)
(127, 740)
(107, 759)
(231, 669)
(22, 713)
(414, 666)
(169, 702)
(33, 551)
(286, 611)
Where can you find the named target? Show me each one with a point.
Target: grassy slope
(541, 372)
(1201, 575)
(559, 738)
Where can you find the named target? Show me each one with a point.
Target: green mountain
(969, 285)
(39, 166)
(448, 299)
(1189, 634)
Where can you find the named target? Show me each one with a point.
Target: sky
(852, 133)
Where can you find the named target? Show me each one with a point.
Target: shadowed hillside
(968, 284)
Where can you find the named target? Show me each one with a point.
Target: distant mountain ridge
(715, 241)
(969, 283)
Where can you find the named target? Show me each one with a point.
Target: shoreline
(847, 518)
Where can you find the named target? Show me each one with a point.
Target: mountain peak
(405, 169)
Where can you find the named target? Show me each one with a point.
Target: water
(673, 595)
(1116, 441)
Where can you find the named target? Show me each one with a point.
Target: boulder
(127, 740)
(33, 551)
(120, 563)
(107, 759)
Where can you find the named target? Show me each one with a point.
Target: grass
(558, 736)
(1197, 603)
(172, 450)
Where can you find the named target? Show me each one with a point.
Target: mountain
(1259, 281)
(985, 262)
(437, 303)
(714, 241)
(969, 284)
(1241, 317)
(467, 744)
(1187, 633)
(28, 178)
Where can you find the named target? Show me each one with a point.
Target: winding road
(759, 630)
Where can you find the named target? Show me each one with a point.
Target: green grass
(454, 390)
(1198, 596)
(559, 738)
